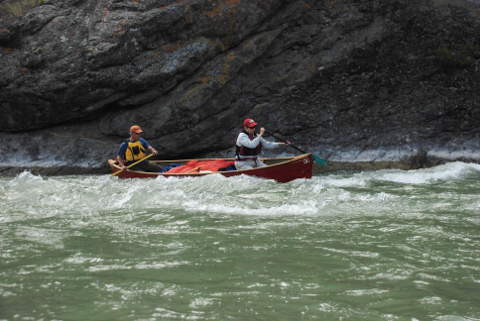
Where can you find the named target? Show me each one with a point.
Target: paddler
(134, 149)
(248, 146)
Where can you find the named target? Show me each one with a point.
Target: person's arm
(152, 150)
(270, 145)
(147, 146)
(121, 154)
(243, 140)
(120, 161)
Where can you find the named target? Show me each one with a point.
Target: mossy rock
(461, 56)
(18, 8)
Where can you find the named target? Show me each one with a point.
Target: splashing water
(383, 245)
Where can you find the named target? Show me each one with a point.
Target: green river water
(382, 245)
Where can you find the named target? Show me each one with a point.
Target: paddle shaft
(283, 140)
(316, 158)
(133, 164)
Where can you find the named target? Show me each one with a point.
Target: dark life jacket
(245, 153)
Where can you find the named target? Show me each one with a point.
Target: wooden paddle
(135, 163)
(316, 158)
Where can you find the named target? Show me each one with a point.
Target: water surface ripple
(383, 245)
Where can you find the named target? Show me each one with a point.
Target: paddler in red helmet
(248, 146)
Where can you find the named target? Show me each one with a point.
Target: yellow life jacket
(135, 151)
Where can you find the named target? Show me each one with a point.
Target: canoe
(282, 169)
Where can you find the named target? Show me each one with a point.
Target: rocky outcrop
(358, 80)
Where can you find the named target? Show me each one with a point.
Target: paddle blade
(319, 160)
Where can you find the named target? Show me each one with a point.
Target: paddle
(316, 158)
(135, 163)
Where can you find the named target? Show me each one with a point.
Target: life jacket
(135, 151)
(245, 153)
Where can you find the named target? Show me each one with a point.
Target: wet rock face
(68, 61)
(337, 75)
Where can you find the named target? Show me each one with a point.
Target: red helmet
(249, 123)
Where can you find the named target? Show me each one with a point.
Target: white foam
(448, 171)
(29, 195)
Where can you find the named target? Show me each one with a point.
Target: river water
(380, 245)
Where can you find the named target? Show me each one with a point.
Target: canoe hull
(285, 170)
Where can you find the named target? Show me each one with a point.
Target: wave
(446, 172)
(30, 196)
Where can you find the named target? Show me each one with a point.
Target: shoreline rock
(337, 76)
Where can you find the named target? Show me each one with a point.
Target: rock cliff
(348, 79)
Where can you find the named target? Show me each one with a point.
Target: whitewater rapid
(32, 195)
(377, 245)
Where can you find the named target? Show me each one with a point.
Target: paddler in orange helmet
(134, 149)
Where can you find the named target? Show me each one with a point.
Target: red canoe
(280, 169)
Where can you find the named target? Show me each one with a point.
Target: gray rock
(349, 80)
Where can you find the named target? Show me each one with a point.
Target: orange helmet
(136, 129)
